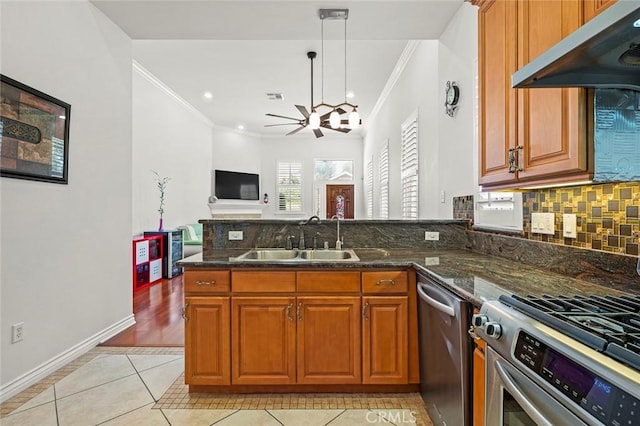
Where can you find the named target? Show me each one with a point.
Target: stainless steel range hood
(604, 53)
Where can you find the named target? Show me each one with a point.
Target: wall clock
(452, 95)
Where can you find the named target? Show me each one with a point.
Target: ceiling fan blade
(283, 116)
(339, 129)
(295, 130)
(303, 111)
(283, 124)
(318, 133)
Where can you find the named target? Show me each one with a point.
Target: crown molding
(163, 87)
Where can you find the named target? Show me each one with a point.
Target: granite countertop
(474, 276)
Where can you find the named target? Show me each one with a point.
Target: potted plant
(162, 185)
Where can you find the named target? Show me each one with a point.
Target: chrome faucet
(338, 240)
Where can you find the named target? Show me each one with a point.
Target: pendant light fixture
(335, 120)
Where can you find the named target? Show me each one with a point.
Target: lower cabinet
(329, 340)
(206, 340)
(385, 340)
(252, 330)
(263, 340)
(479, 376)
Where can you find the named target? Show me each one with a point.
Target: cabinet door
(594, 7)
(478, 383)
(385, 340)
(206, 342)
(552, 127)
(263, 340)
(497, 60)
(329, 340)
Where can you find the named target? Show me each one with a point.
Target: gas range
(581, 352)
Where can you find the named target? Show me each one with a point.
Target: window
(290, 187)
(383, 181)
(370, 189)
(409, 167)
(330, 170)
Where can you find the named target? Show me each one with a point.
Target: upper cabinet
(593, 7)
(528, 136)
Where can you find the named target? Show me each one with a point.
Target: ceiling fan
(304, 122)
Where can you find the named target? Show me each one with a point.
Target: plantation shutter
(383, 177)
(370, 189)
(409, 168)
(290, 187)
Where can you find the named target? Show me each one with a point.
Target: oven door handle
(446, 309)
(520, 397)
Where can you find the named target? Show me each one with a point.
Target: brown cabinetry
(299, 328)
(479, 379)
(528, 136)
(594, 7)
(206, 340)
(329, 340)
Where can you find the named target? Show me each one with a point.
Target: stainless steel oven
(563, 361)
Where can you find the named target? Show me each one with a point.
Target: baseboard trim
(22, 382)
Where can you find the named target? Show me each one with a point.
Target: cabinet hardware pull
(288, 311)
(213, 282)
(519, 149)
(298, 313)
(472, 333)
(184, 311)
(364, 311)
(385, 281)
(512, 160)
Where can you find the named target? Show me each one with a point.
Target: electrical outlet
(431, 261)
(431, 236)
(235, 235)
(17, 332)
(569, 225)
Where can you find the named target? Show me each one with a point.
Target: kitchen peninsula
(235, 309)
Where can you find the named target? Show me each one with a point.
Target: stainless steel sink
(295, 256)
(329, 255)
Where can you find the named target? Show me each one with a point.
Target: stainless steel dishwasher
(445, 354)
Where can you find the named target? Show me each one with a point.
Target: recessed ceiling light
(207, 96)
(350, 95)
(240, 127)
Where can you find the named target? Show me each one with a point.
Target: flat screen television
(236, 185)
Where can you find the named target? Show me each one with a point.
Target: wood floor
(158, 313)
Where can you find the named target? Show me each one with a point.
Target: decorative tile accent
(463, 207)
(607, 215)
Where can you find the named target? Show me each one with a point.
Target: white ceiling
(240, 50)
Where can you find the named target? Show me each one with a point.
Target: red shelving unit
(147, 261)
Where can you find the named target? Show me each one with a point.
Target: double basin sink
(296, 256)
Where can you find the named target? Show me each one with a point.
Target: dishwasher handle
(445, 309)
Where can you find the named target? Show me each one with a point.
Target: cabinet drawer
(206, 281)
(263, 281)
(329, 282)
(384, 282)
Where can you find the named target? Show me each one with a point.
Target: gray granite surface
(474, 276)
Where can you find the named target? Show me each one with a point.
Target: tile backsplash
(607, 215)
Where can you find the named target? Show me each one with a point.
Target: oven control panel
(604, 401)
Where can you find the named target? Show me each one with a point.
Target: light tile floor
(143, 386)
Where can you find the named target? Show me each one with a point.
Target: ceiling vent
(275, 96)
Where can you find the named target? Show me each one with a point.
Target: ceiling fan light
(314, 120)
(354, 119)
(334, 119)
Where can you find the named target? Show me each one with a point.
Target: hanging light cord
(322, 59)
(345, 60)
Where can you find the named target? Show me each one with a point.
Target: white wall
(173, 139)
(66, 249)
(445, 143)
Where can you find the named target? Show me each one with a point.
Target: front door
(340, 201)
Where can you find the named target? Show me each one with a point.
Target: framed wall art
(34, 133)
